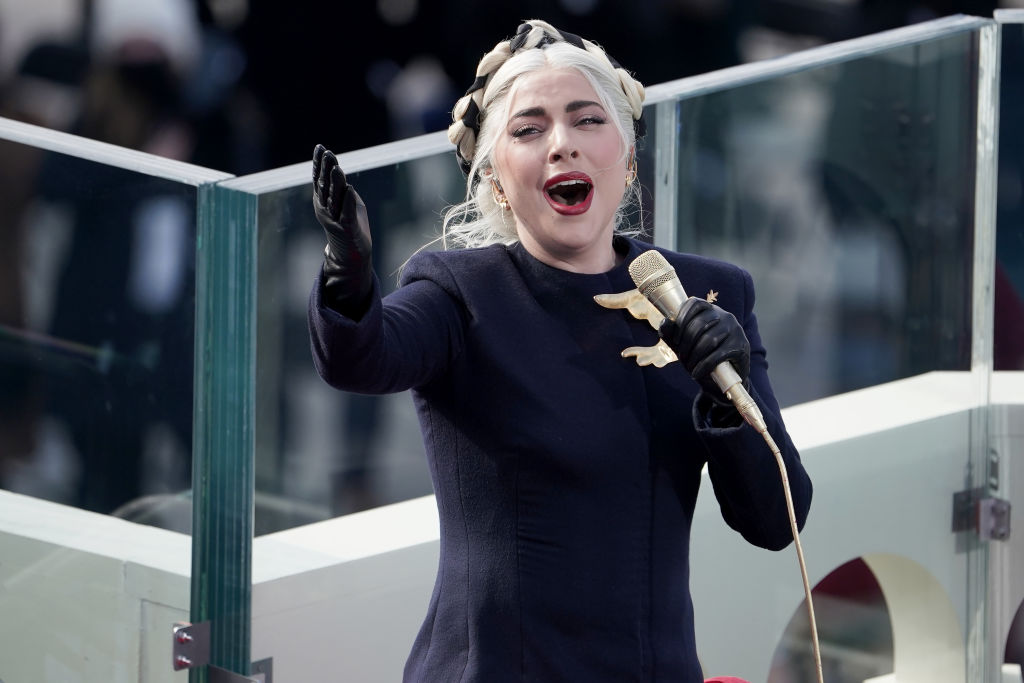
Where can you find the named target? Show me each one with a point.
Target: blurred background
(96, 395)
(97, 270)
(246, 85)
(104, 421)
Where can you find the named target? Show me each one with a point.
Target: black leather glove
(704, 335)
(348, 269)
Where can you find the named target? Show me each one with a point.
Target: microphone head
(656, 280)
(650, 270)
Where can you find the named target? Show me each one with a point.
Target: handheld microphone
(656, 279)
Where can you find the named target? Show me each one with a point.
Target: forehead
(549, 88)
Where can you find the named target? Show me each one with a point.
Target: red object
(725, 679)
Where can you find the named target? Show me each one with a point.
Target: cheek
(514, 169)
(503, 166)
(613, 153)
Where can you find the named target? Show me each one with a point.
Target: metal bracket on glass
(994, 519)
(987, 516)
(191, 649)
(191, 646)
(262, 672)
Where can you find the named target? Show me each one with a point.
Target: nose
(562, 146)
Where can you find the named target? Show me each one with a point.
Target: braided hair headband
(533, 34)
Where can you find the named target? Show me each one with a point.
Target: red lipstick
(569, 194)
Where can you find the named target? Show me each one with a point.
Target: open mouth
(569, 193)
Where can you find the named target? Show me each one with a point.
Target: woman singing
(565, 474)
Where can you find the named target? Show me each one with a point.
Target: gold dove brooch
(640, 308)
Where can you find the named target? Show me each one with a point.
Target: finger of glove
(721, 343)
(698, 322)
(348, 261)
(737, 340)
(349, 234)
(318, 155)
(337, 191)
(320, 169)
(671, 330)
(327, 184)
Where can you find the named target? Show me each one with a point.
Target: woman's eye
(590, 121)
(524, 130)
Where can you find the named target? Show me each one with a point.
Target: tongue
(570, 196)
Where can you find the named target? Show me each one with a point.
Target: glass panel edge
(813, 57)
(223, 446)
(368, 158)
(105, 153)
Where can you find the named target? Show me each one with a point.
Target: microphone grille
(650, 270)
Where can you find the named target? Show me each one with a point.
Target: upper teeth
(566, 183)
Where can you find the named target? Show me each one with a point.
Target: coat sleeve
(404, 340)
(744, 472)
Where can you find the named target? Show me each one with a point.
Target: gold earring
(499, 196)
(631, 171)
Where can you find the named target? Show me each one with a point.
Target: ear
(491, 176)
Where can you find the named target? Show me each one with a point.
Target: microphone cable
(657, 281)
(763, 431)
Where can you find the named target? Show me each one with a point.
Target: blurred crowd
(242, 86)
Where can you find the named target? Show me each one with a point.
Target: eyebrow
(575, 105)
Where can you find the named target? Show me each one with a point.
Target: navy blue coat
(565, 475)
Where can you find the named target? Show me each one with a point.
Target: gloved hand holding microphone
(709, 341)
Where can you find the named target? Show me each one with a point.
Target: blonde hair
(478, 117)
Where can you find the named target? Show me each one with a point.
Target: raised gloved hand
(702, 336)
(348, 270)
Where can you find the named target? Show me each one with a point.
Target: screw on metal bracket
(191, 649)
(191, 645)
(263, 670)
(994, 519)
(993, 469)
(987, 516)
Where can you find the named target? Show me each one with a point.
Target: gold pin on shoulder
(712, 296)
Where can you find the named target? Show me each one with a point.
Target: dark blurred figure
(117, 374)
(231, 125)
(834, 21)
(893, 172)
(881, 15)
(41, 90)
(1008, 335)
(125, 295)
(307, 63)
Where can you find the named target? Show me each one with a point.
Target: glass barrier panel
(847, 191)
(98, 339)
(847, 188)
(1007, 566)
(97, 306)
(96, 325)
(1009, 282)
(320, 452)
